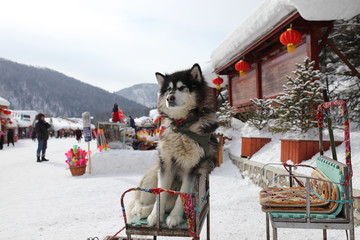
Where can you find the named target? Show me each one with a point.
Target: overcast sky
(114, 44)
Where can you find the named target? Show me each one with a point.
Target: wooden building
(256, 41)
(4, 112)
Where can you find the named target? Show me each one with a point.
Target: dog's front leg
(165, 181)
(176, 214)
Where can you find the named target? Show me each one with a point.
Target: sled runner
(196, 206)
(325, 202)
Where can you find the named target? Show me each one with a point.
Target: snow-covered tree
(225, 114)
(341, 82)
(296, 108)
(261, 113)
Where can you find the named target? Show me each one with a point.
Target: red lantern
(290, 38)
(10, 122)
(7, 112)
(2, 121)
(218, 81)
(242, 67)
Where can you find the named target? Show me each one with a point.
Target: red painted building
(257, 42)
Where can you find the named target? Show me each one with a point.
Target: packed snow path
(43, 201)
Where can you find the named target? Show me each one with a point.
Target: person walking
(10, 137)
(78, 135)
(41, 129)
(1, 140)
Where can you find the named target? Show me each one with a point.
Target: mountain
(55, 94)
(145, 94)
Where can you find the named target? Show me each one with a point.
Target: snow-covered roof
(24, 118)
(11, 124)
(209, 75)
(4, 102)
(144, 122)
(272, 12)
(58, 123)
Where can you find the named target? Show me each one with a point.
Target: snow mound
(118, 161)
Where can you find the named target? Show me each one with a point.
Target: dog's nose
(171, 98)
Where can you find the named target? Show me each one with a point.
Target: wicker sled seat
(325, 195)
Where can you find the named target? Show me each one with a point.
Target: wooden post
(258, 80)
(89, 157)
(313, 45)
(230, 77)
(207, 186)
(331, 134)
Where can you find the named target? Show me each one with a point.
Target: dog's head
(181, 92)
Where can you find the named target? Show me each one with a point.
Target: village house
(257, 42)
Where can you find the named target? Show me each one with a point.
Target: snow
(43, 201)
(144, 121)
(269, 14)
(326, 10)
(209, 75)
(271, 152)
(154, 114)
(58, 123)
(4, 102)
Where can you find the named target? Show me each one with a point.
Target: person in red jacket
(115, 113)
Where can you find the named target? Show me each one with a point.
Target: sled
(196, 206)
(325, 202)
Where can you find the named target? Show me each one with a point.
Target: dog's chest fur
(179, 149)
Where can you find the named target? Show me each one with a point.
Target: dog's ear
(196, 72)
(160, 78)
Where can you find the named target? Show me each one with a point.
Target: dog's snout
(171, 98)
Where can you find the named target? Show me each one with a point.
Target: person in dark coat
(33, 135)
(41, 129)
(78, 135)
(10, 137)
(1, 140)
(132, 123)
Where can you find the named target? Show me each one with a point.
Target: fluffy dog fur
(184, 103)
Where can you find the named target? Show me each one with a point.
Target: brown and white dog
(186, 147)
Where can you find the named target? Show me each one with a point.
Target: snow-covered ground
(43, 200)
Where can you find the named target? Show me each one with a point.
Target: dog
(186, 147)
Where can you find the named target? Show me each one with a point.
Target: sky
(115, 44)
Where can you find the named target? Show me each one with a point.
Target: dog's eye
(181, 88)
(169, 89)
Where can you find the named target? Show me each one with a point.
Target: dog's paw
(152, 219)
(136, 211)
(142, 211)
(174, 220)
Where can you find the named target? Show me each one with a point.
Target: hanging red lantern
(242, 67)
(218, 81)
(10, 122)
(2, 121)
(7, 112)
(290, 38)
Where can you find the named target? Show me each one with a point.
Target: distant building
(25, 120)
(4, 105)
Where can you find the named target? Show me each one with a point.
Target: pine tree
(225, 114)
(296, 108)
(261, 113)
(340, 81)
